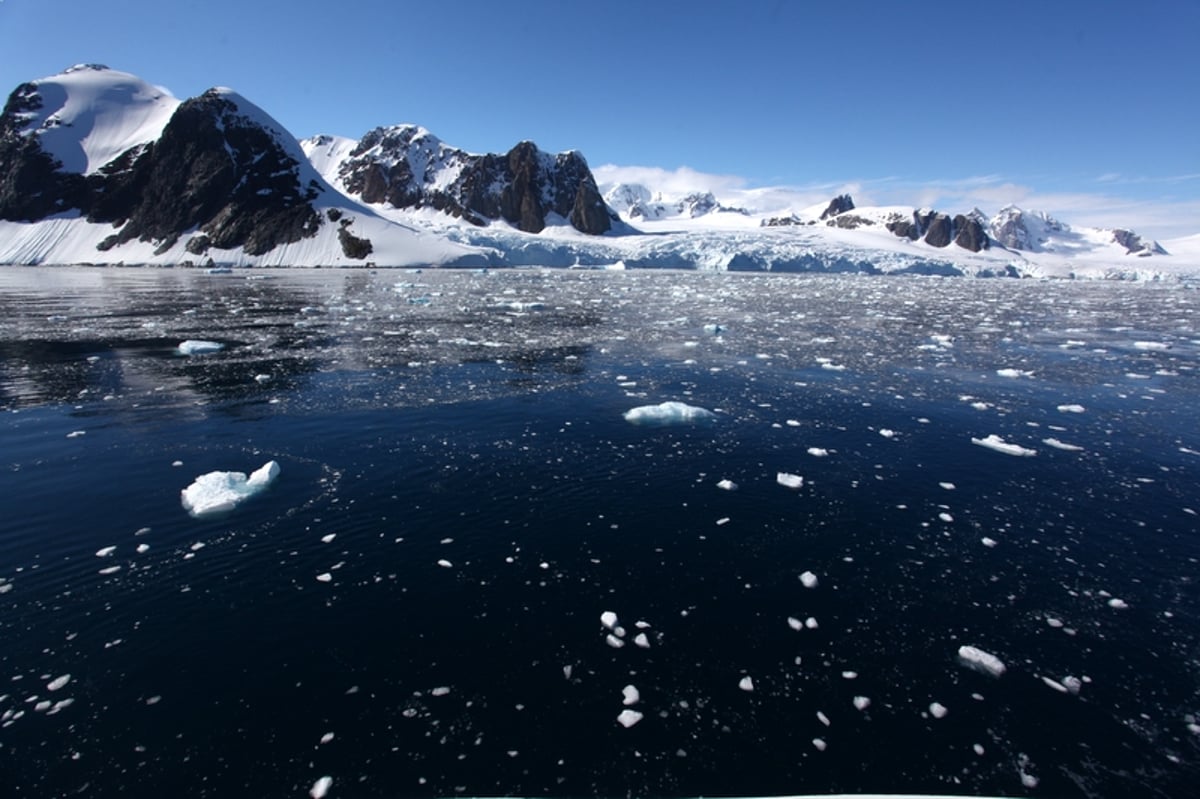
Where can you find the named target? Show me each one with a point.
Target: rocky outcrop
(939, 230)
(32, 185)
(1135, 244)
(838, 205)
(407, 167)
(969, 233)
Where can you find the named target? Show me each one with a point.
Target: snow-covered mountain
(636, 203)
(97, 166)
(406, 166)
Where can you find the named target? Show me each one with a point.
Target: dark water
(475, 419)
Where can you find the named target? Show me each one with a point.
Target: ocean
(474, 576)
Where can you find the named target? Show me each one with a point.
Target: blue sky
(1089, 110)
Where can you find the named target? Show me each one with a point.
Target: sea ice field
(290, 533)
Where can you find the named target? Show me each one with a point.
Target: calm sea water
(413, 608)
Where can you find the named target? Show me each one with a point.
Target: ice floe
(995, 442)
(809, 580)
(1054, 442)
(746, 684)
(199, 347)
(978, 659)
(321, 787)
(58, 683)
(789, 480)
(221, 491)
(1071, 408)
(630, 695)
(937, 710)
(628, 718)
(667, 413)
(727, 485)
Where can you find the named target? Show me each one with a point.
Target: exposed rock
(407, 167)
(904, 228)
(781, 221)
(212, 169)
(32, 186)
(838, 205)
(848, 221)
(939, 230)
(969, 233)
(1135, 244)
(353, 246)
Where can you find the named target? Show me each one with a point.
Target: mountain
(406, 166)
(638, 203)
(98, 166)
(128, 168)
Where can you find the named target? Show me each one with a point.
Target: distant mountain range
(98, 166)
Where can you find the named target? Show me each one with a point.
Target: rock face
(407, 167)
(32, 186)
(939, 230)
(1135, 244)
(838, 205)
(216, 170)
(218, 167)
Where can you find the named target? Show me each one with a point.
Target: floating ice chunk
(441, 690)
(945, 517)
(861, 703)
(630, 695)
(445, 564)
(818, 452)
(327, 737)
(976, 658)
(1014, 373)
(995, 442)
(1055, 684)
(727, 485)
(142, 549)
(1072, 408)
(789, 480)
(821, 717)
(613, 641)
(76, 433)
(849, 675)
(808, 580)
(628, 718)
(608, 620)
(221, 491)
(811, 623)
(1072, 684)
(199, 347)
(937, 710)
(819, 744)
(321, 787)
(1119, 604)
(109, 570)
(641, 640)
(58, 683)
(988, 542)
(104, 552)
(325, 539)
(886, 433)
(1151, 345)
(714, 330)
(668, 413)
(795, 623)
(324, 577)
(1054, 442)
(947, 486)
(746, 684)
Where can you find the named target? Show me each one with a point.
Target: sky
(1086, 109)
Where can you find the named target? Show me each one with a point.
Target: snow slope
(91, 114)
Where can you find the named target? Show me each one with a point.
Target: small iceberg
(668, 413)
(199, 347)
(221, 491)
(995, 442)
(984, 662)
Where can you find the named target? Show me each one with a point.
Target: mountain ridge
(97, 166)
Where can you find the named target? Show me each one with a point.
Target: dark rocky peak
(32, 183)
(407, 167)
(939, 230)
(1135, 244)
(220, 166)
(838, 205)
